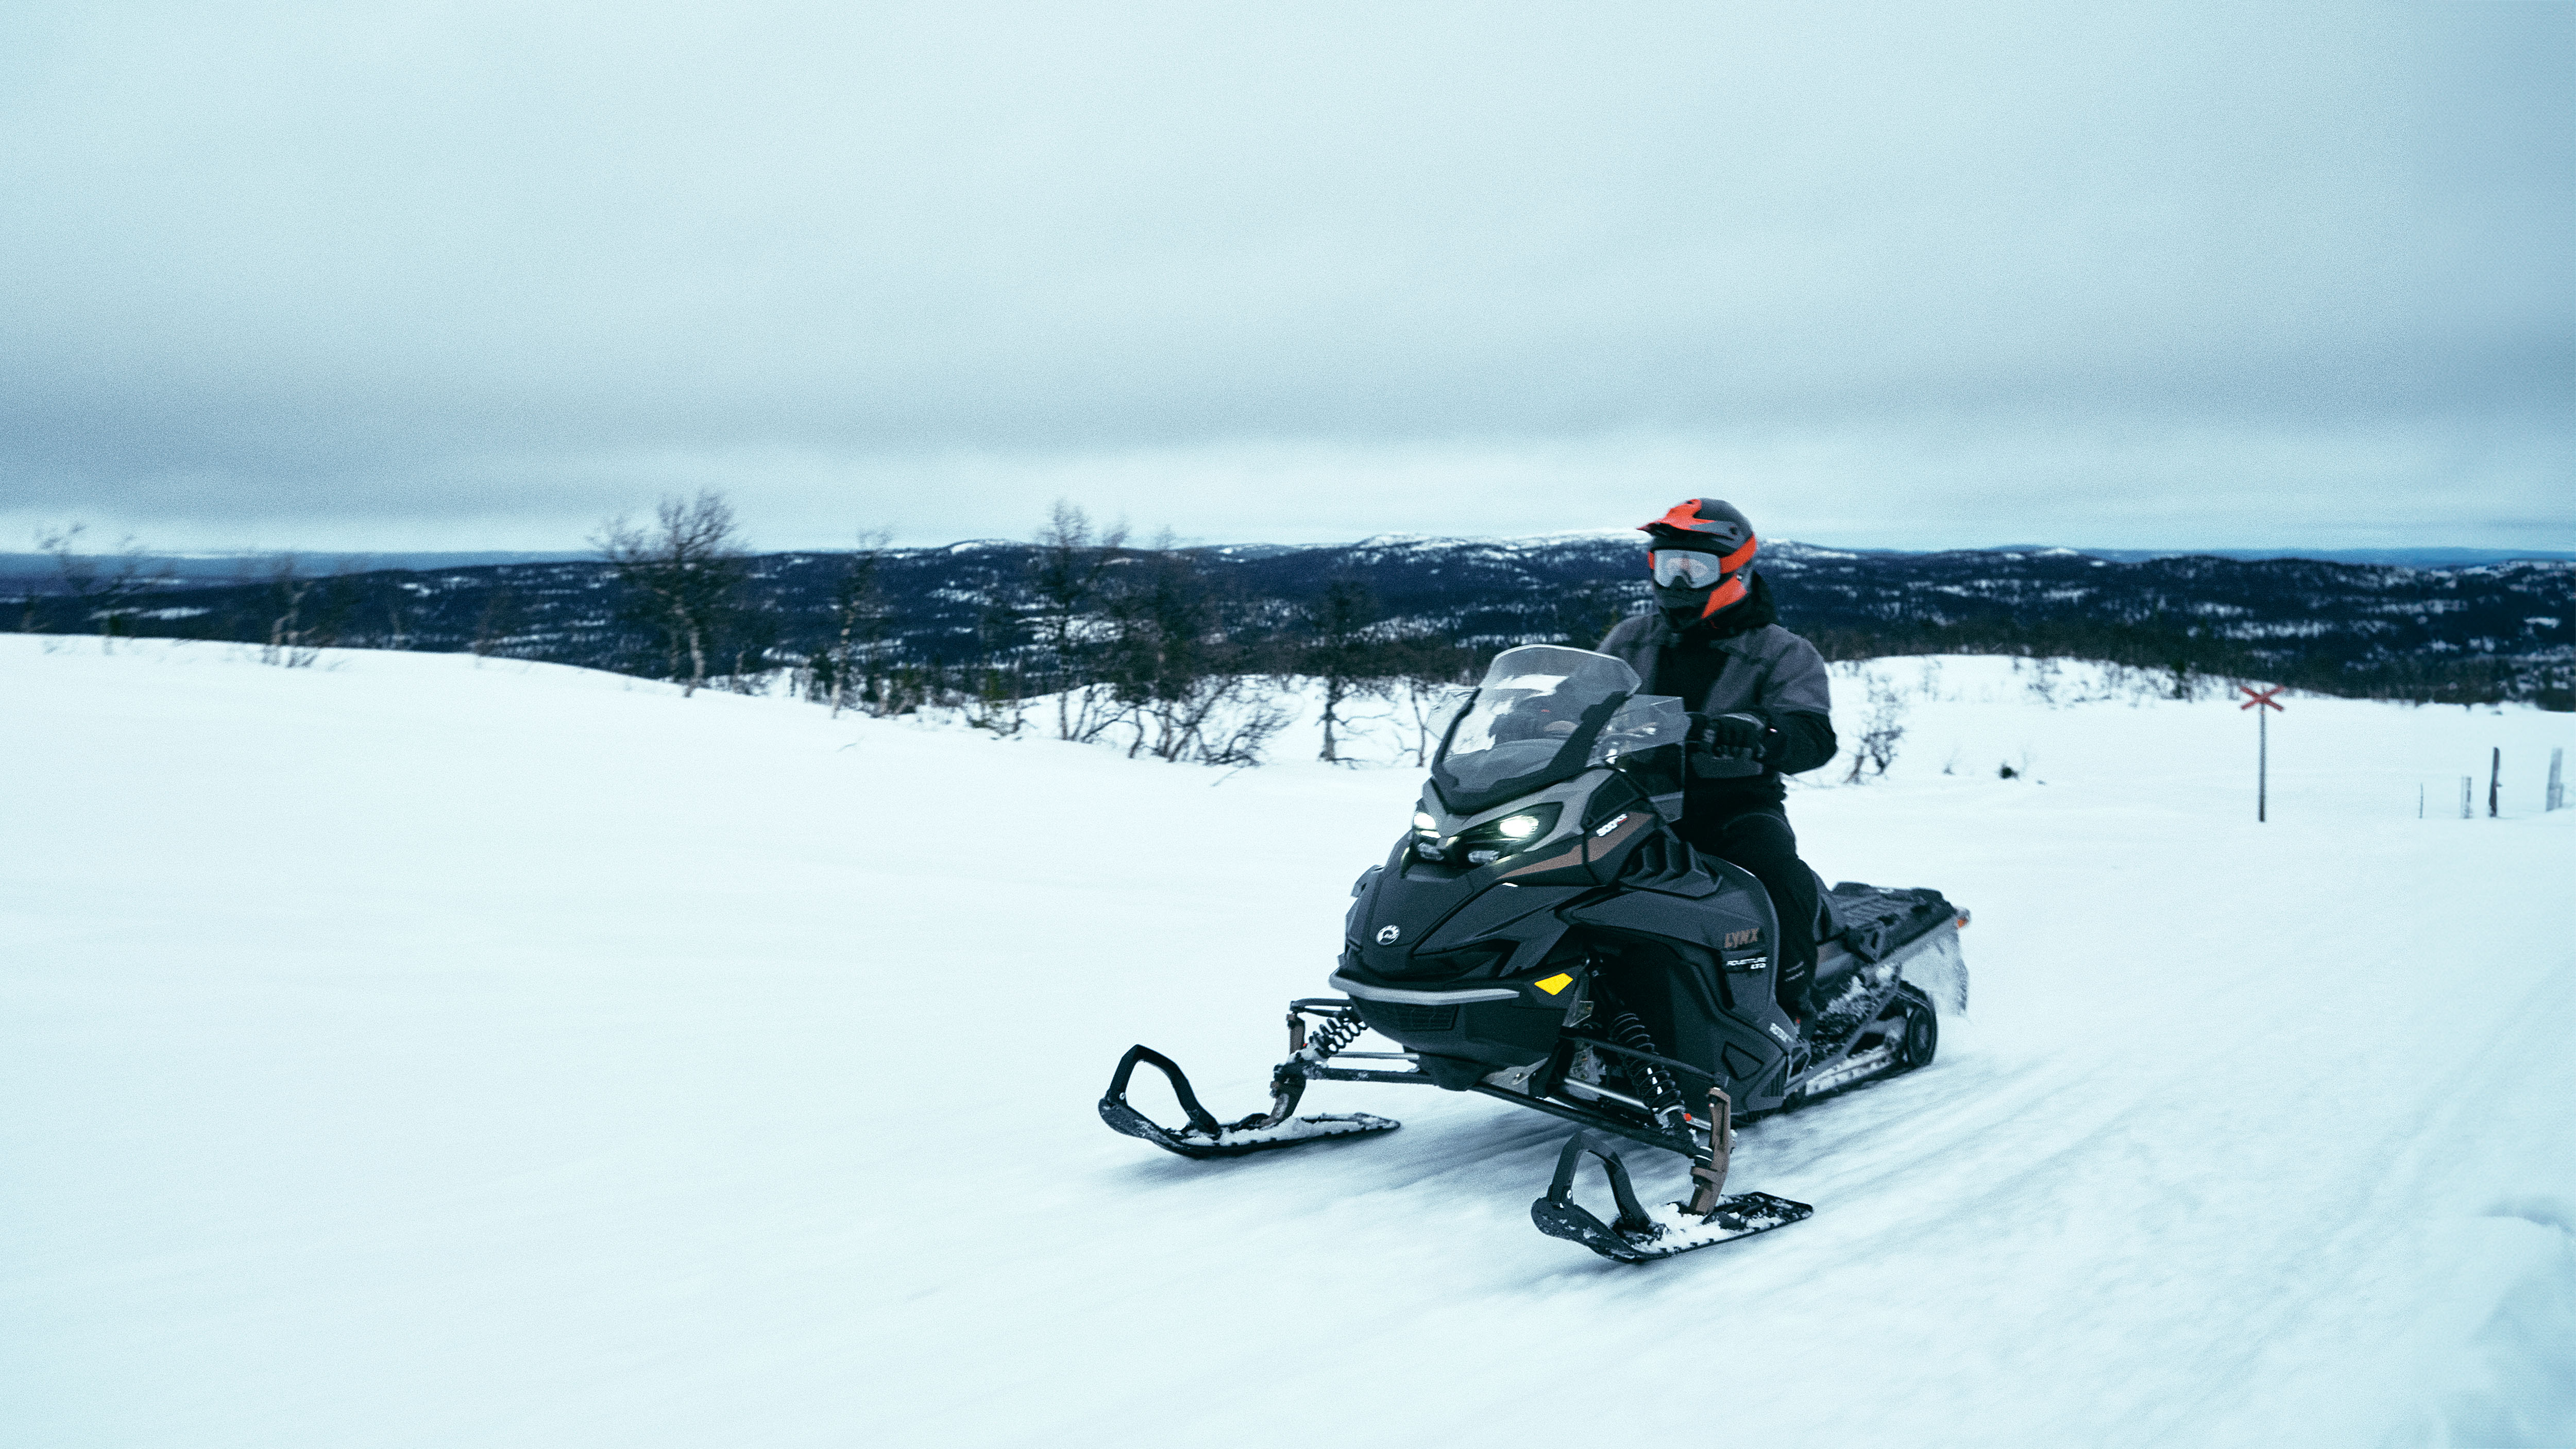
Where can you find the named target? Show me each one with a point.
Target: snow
(416, 1051)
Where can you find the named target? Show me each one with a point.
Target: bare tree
(688, 566)
(1338, 653)
(1070, 576)
(1881, 730)
(859, 618)
(1431, 676)
(997, 696)
(290, 642)
(106, 596)
(1186, 688)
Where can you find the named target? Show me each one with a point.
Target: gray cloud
(474, 275)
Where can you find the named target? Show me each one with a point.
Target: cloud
(400, 275)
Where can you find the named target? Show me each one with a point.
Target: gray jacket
(1768, 671)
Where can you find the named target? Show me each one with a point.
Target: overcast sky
(476, 275)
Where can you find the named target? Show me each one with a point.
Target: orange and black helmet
(1702, 547)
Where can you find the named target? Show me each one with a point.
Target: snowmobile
(1543, 936)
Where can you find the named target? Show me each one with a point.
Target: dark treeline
(1086, 633)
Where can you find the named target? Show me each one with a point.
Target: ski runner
(1759, 710)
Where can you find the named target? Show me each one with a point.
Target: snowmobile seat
(1874, 920)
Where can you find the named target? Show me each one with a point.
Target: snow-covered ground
(408, 1051)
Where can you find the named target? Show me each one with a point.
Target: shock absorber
(1332, 1036)
(1653, 1084)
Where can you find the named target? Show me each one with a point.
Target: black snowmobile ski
(1206, 1137)
(1637, 1235)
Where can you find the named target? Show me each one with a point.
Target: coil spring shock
(1662, 1099)
(1336, 1034)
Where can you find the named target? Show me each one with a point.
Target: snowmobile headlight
(1495, 839)
(1423, 822)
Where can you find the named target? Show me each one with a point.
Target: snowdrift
(408, 1051)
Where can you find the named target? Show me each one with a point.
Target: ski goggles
(1679, 569)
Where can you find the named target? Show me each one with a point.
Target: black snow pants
(1760, 840)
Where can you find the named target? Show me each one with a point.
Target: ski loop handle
(1560, 1192)
(1200, 1118)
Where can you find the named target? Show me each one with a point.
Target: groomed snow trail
(412, 1052)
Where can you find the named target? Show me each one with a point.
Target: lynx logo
(1387, 935)
(1776, 1031)
(1743, 938)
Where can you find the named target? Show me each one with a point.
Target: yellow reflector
(1555, 983)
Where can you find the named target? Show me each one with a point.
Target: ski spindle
(1710, 1171)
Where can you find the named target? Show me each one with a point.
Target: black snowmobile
(1543, 936)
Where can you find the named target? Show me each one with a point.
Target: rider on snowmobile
(1759, 710)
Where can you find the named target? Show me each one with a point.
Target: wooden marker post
(2261, 701)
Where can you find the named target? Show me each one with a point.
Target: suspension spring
(1656, 1087)
(1333, 1035)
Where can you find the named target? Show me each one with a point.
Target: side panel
(1698, 974)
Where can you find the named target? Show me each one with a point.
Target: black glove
(1732, 736)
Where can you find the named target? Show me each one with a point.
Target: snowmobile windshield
(1544, 714)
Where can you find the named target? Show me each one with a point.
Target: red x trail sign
(2262, 703)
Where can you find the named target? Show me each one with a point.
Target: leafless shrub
(2044, 680)
(107, 596)
(855, 659)
(1430, 683)
(1882, 729)
(1336, 650)
(1071, 579)
(292, 641)
(688, 566)
(1242, 739)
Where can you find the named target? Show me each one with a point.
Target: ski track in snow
(412, 1051)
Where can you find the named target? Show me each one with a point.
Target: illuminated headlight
(1423, 822)
(1494, 839)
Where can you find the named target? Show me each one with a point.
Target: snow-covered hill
(407, 1052)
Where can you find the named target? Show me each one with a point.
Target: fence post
(2464, 797)
(2495, 778)
(2557, 796)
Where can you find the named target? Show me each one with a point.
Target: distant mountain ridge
(2493, 630)
(23, 573)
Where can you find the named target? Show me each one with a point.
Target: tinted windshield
(1544, 713)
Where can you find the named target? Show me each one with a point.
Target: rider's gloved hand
(1735, 736)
